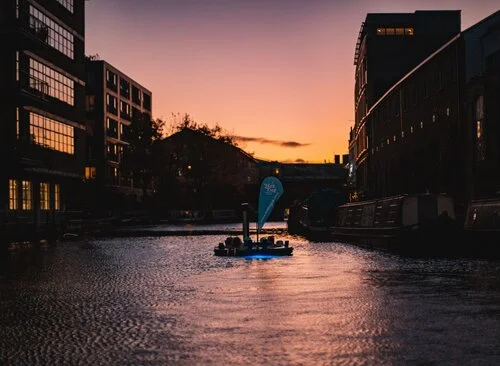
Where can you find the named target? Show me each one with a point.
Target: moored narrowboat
(409, 223)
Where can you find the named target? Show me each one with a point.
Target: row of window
(114, 151)
(391, 107)
(51, 82)
(51, 32)
(111, 106)
(391, 31)
(112, 129)
(52, 134)
(392, 139)
(138, 97)
(21, 195)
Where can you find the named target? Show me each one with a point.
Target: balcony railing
(33, 85)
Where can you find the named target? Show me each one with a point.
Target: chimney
(345, 159)
(337, 159)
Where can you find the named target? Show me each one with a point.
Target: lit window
(51, 134)
(50, 82)
(26, 195)
(51, 32)
(409, 31)
(90, 172)
(44, 196)
(400, 31)
(57, 197)
(13, 205)
(90, 103)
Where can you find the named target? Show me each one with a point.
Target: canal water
(170, 301)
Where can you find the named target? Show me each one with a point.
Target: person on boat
(249, 244)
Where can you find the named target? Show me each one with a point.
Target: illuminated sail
(271, 190)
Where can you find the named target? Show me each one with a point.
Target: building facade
(388, 47)
(42, 134)
(436, 129)
(113, 102)
(481, 117)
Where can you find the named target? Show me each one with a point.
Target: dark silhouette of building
(436, 129)
(388, 47)
(204, 173)
(113, 101)
(42, 134)
(303, 179)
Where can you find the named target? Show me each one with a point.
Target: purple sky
(277, 72)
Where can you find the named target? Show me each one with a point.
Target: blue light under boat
(261, 256)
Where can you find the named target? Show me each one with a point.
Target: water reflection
(171, 301)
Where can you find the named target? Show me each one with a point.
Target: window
(112, 151)
(26, 195)
(13, 203)
(44, 196)
(111, 78)
(406, 97)
(124, 88)
(57, 197)
(111, 128)
(135, 113)
(124, 110)
(123, 131)
(136, 95)
(52, 134)
(111, 104)
(480, 140)
(90, 172)
(51, 32)
(147, 101)
(112, 176)
(90, 103)
(68, 4)
(395, 31)
(51, 82)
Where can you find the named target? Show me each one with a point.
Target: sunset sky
(277, 73)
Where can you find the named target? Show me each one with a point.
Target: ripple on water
(168, 300)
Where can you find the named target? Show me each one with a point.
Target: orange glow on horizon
(276, 71)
